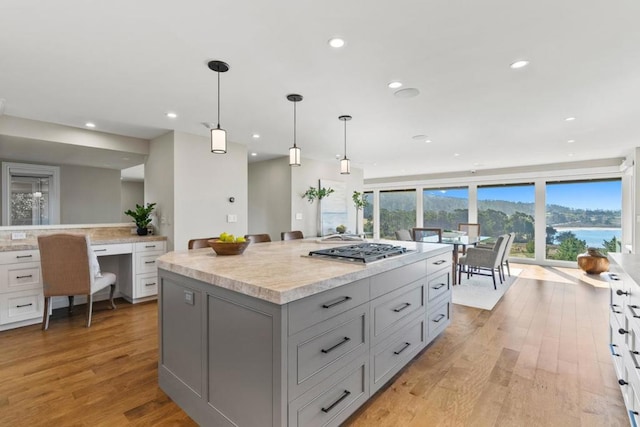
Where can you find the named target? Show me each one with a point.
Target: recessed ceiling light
(519, 64)
(172, 115)
(571, 141)
(394, 85)
(477, 164)
(254, 154)
(570, 154)
(456, 154)
(409, 92)
(255, 136)
(338, 156)
(570, 119)
(427, 141)
(336, 42)
(90, 125)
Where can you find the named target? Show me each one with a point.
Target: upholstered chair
(257, 238)
(478, 260)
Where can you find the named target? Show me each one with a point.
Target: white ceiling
(124, 64)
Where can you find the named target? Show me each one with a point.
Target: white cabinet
(144, 285)
(21, 297)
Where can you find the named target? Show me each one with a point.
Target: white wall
(269, 197)
(159, 187)
(204, 182)
(308, 175)
(132, 194)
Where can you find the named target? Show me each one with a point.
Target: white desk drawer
(156, 245)
(19, 277)
(18, 306)
(146, 285)
(146, 262)
(113, 249)
(19, 256)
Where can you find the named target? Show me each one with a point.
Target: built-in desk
(132, 258)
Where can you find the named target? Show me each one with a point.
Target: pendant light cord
(345, 139)
(218, 99)
(294, 124)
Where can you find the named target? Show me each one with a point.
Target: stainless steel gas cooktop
(363, 252)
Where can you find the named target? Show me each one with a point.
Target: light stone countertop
(629, 263)
(98, 236)
(280, 272)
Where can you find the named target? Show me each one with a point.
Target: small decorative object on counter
(341, 229)
(142, 217)
(228, 248)
(593, 262)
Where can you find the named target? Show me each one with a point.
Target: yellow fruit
(240, 240)
(223, 237)
(230, 238)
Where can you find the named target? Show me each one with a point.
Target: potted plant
(360, 203)
(142, 217)
(319, 193)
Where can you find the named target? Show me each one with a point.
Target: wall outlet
(188, 297)
(232, 218)
(18, 235)
(299, 215)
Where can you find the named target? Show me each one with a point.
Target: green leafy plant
(359, 201)
(142, 215)
(317, 193)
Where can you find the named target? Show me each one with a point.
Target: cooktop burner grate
(364, 252)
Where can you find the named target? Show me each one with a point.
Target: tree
(610, 245)
(551, 235)
(570, 247)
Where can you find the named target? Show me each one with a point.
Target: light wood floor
(540, 358)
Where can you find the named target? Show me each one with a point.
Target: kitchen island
(277, 338)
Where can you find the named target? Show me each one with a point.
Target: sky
(605, 195)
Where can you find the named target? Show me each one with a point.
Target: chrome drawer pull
(440, 317)
(345, 299)
(622, 382)
(150, 284)
(24, 256)
(149, 262)
(622, 331)
(621, 292)
(344, 341)
(340, 399)
(442, 261)
(150, 246)
(24, 305)
(613, 352)
(24, 277)
(632, 309)
(406, 346)
(440, 286)
(614, 276)
(405, 305)
(99, 250)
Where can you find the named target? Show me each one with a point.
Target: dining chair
(70, 267)
(403, 234)
(199, 243)
(257, 238)
(472, 230)
(291, 235)
(477, 260)
(505, 255)
(427, 234)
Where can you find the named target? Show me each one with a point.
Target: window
(509, 208)
(30, 194)
(445, 207)
(368, 214)
(582, 214)
(397, 211)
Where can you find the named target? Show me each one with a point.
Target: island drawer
(439, 262)
(150, 246)
(386, 282)
(390, 356)
(18, 306)
(331, 402)
(19, 256)
(439, 285)
(319, 351)
(22, 276)
(438, 318)
(393, 310)
(306, 312)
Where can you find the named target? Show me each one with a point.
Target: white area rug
(478, 291)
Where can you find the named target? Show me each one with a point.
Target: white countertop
(629, 263)
(280, 272)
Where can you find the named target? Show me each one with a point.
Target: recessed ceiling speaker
(409, 92)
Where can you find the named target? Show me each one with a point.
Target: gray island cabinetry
(275, 338)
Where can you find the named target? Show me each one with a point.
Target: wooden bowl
(222, 248)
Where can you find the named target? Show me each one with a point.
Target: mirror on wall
(93, 189)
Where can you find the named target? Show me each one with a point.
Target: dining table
(459, 242)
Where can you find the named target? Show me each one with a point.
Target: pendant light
(294, 152)
(218, 135)
(345, 164)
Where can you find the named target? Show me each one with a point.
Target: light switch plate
(298, 215)
(232, 218)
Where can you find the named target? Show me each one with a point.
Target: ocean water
(593, 236)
